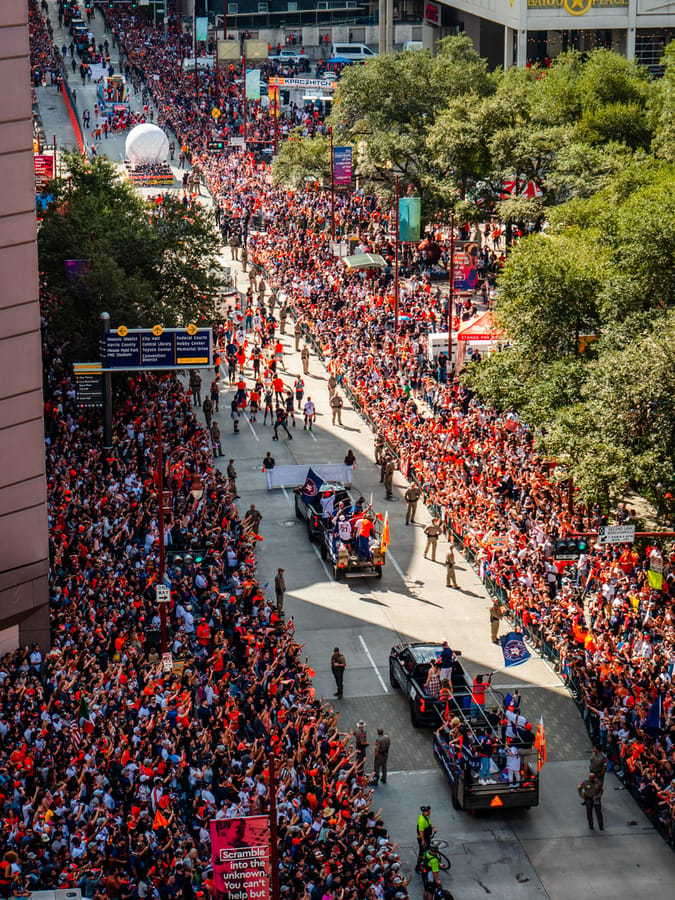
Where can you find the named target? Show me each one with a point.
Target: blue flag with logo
(311, 488)
(514, 649)
(653, 720)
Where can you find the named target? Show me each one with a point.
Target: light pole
(197, 491)
(451, 292)
(396, 235)
(332, 186)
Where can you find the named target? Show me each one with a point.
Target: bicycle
(436, 846)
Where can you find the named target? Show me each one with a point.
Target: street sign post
(616, 534)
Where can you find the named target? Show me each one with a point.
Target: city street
(545, 852)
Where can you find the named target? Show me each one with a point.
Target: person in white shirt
(310, 414)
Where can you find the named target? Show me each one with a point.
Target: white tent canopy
(146, 144)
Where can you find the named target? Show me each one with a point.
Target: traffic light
(570, 548)
(215, 146)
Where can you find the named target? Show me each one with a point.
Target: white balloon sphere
(146, 143)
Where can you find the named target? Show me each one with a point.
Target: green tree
(302, 159)
(548, 293)
(144, 263)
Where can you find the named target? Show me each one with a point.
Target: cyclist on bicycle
(425, 829)
(430, 871)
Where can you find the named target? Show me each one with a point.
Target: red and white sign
(241, 858)
(432, 13)
(44, 167)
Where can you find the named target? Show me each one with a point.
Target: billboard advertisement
(241, 858)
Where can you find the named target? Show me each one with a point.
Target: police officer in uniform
(495, 619)
(450, 576)
(590, 792)
(432, 532)
(379, 447)
(389, 477)
(361, 741)
(382, 745)
(338, 664)
(412, 495)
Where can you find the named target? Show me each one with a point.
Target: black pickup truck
(344, 560)
(408, 669)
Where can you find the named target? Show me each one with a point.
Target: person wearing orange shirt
(364, 529)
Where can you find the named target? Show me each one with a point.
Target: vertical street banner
(202, 28)
(409, 218)
(241, 858)
(342, 166)
(253, 84)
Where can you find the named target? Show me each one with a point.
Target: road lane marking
(412, 772)
(325, 567)
(395, 565)
(372, 662)
(288, 499)
(251, 427)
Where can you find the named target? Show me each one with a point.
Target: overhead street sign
(616, 534)
(157, 348)
(302, 83)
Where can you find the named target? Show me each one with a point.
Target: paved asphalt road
(546, 852)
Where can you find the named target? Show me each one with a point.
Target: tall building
(534, 31)
(24, 592)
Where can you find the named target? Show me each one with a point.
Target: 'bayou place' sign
(574, 7)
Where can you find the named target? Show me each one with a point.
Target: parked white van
(355, 52)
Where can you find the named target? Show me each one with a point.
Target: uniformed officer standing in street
(598, 764)
(298, 335)
(412, 495)
(432, 531)
(304, 356)
(361, 741)
(336, 404)
(450, 576)
(389, 478)
(338, 664)
(379, 448)
(590, 792)
(495, 619)
(280, 589)
(382, 745)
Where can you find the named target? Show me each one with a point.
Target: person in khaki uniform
(412, 495)
(450, 576)
(389, 477)
(298, 335)
(332, 385)
(304, 356)
(495, 619)
(336, 405)
(590, 792)
(432, 532)
(382, 745)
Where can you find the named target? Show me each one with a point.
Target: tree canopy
(145, 263)
(581, 151)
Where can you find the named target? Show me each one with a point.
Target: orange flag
(540, 744)
(386, 540)
(159, 821)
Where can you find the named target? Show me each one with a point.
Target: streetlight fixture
(164, 509)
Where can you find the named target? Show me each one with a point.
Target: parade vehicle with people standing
(487, 751)
(344, 526)
(415, 669)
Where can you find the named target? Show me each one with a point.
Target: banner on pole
(241, 858)
(342, 166)
(409, 218)
(202, 28)
(253, 84)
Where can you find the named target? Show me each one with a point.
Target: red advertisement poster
(44, 168)
(241, 858)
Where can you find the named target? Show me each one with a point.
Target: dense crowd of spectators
(44, 55)
(616, 641)
(81, 798)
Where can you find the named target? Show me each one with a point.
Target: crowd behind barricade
(44, 58)
(112, 763)
(478, 469)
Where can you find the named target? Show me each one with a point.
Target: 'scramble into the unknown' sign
(241, 858)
